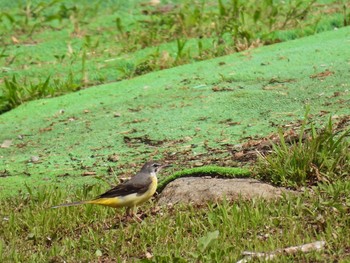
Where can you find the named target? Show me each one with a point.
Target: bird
(139, 189)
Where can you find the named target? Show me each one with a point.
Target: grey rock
(199, 190)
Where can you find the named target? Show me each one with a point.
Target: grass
(317, 156)
(57, 47)
(32, 232)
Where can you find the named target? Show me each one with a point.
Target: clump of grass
(317, 156)
(15, 92)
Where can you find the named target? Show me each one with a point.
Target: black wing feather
(126, 189)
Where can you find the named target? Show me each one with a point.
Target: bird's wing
(129, 187)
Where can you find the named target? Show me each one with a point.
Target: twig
(315, 246)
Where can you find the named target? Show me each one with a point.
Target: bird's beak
(165, 166)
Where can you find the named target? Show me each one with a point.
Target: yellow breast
(149, 193)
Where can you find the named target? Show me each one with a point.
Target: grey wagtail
(131, 193)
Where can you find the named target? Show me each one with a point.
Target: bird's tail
(71, 204)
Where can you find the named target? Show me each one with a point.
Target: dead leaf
(70, 49)
(6, 144)
(88, 173)
(4, 173)
(275, 80)
(322, 75)
(220, 89)
(148, 255)
(113, 158)
(14, 40)
(272, 87)
(45, 129)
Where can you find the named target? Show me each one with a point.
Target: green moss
(214, 171)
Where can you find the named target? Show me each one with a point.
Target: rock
(199, 190)
(34, 159)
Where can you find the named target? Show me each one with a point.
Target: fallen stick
(315, 246)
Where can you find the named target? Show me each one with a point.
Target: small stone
(34, 159)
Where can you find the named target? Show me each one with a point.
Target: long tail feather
(71, 204)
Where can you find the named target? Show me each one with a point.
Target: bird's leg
(136, 216)
(129, 211)
(132, 212)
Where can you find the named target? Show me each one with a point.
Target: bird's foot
(137, 218)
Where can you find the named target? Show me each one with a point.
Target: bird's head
(153, 167)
